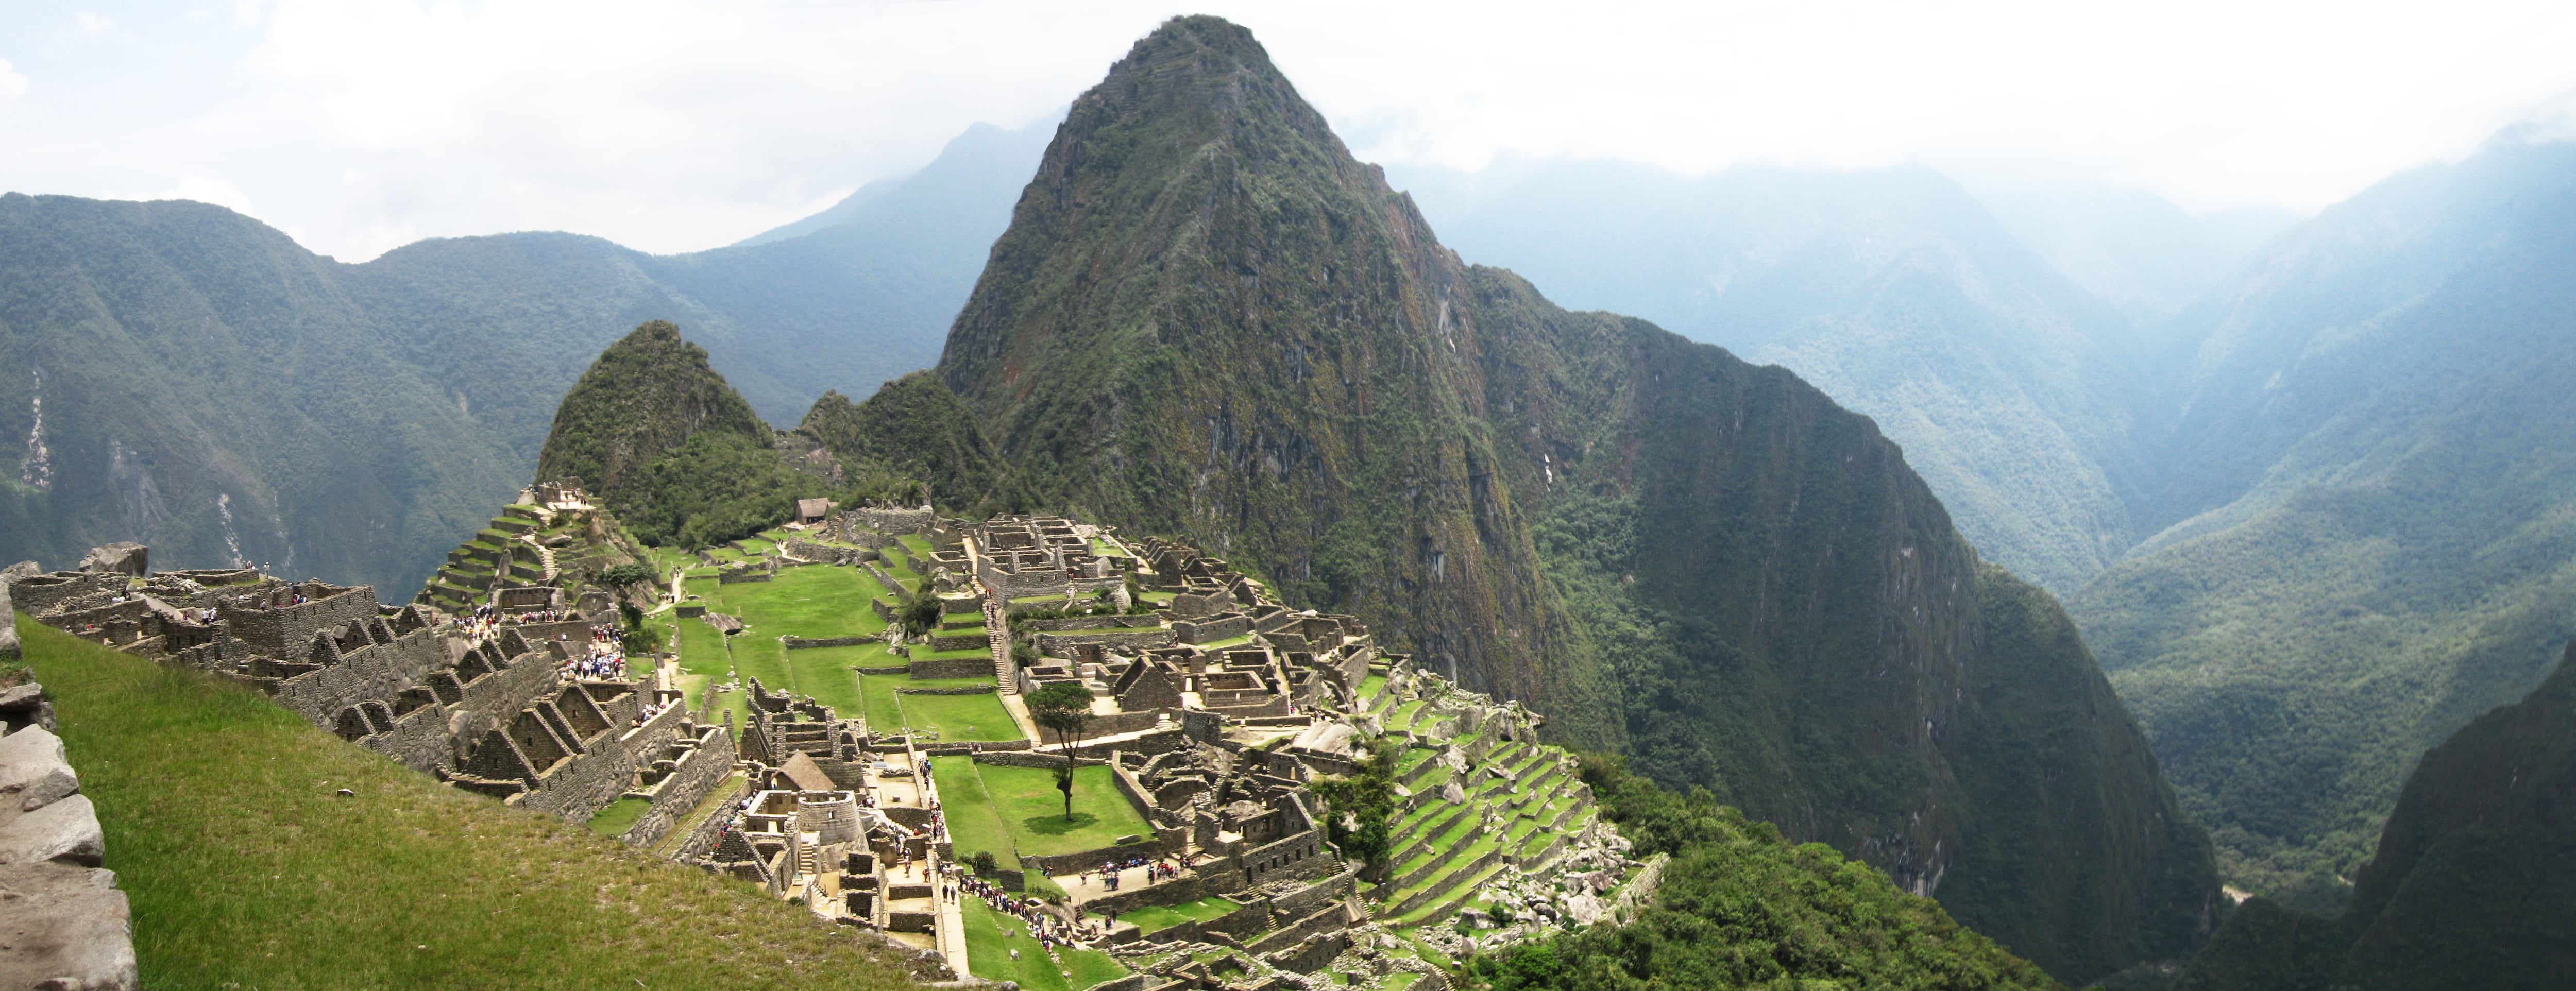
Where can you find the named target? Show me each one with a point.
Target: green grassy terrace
(246, 870)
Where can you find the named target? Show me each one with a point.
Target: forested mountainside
(181, 375)
(1206, 318)
(2368, 534)
(640, 400)
(2473, 885)
(2013, 390)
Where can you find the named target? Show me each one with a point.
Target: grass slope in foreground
(246, 871)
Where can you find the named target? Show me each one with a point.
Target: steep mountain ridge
(1894, 290)
(1207, 318)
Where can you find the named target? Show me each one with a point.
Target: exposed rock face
(123, 557)
(1208, 318)
(63, 924)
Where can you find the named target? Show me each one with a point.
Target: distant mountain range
(181, 375)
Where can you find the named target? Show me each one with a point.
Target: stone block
(65, 927)
(33, 771)
(66, 830)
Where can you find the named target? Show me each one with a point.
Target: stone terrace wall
(1128, 641)
(697, 773)
(66, 924)
(702, 839)
(955, 667)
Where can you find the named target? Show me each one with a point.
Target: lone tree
(1064, 707)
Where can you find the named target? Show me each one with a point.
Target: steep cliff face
(1207, 318)
(2474, 883)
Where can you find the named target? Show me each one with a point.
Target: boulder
(32, 769)
(66, 830)
(22, 569)
(1452, 794)
(67, 927)
(122, 557)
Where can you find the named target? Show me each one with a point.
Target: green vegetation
(640, 400)
(1024, 803)
(917, 428)
(991, 937)
(1154, 919)
(409, 883)
(2473, 885)
(1742, 907)
(960, 717)
(1367, 798)
(814, 602)
(620, 816)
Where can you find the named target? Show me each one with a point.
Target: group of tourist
(611, 666)
(652, 709)
(1155, 870)
(1049, 931)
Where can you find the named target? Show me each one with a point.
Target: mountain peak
(643, 397)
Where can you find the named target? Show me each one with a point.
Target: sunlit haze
(360, 125)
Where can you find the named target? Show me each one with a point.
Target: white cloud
(93, 25)
(12, 85)
(674, 125)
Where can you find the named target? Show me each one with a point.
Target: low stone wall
(970, 640)
(1211, 630)
(1187, 887)
(1040, 759)
(958, 690)
(1162, 844)
(802, 643)
(1128, 641)
(67, 924)
(1061, 623)
(954, 667)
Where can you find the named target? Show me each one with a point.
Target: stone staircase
(998, 631)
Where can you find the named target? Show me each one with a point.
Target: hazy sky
(359, 125)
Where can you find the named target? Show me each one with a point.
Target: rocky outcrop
(63, 924)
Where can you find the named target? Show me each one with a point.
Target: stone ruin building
(491, 708)
(1215, 708)
(1214, 713)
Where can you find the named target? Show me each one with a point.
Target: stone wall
(1062, 623)
(803, 643)
(1212, 629)
(66, 924)
(954, 667)
(696, 773)
(287, 631)
(1127, 641)
(702, 838)
(955, 690)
